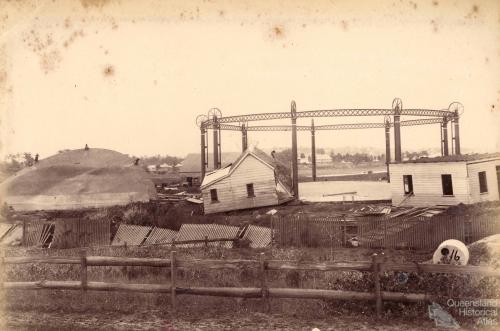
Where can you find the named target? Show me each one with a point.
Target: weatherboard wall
(232, 190)
(489, 167)
(427, 186)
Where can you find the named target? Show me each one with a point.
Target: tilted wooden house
(446, 180)
(252, 180)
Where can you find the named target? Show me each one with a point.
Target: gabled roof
(215, 176)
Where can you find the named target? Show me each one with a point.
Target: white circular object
(451, 251)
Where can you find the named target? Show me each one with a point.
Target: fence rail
(376, 266)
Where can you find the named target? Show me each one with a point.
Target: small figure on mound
(86, 147)
(36, 158)
(136, 162)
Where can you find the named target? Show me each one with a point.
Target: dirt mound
(93, 157)
(78, 179)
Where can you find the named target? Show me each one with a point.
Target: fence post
(173, 276)
(376, 280)
(83, 269)
(385, 232)
(206, 241)
(272, 232)
(264, 291)
(23, 240)
(2, 271)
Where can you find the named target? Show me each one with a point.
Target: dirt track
(156, 320)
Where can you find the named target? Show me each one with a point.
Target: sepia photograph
(250, 165)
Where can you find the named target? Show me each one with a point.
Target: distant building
(320, 158)
(446, 180)
(323, 158)
(251, 181)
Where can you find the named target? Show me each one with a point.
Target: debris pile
(179, 196)
(393, 212)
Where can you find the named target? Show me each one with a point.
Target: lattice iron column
(295, 169)
(396, 107)
(456, 134)
(313, 150)
(456, 108)
(202, 154)
(217, 156)
(388, 146)
(444, 137)
(244, 138)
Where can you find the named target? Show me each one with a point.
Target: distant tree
(284, 156)
(320, 151)
(28, 160)
(302, 156)
(172, 161)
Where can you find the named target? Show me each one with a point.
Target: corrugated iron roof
(211, 231)
(160, 236)
(259, 236)
(131, 235)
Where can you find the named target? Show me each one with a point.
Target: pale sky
(133, 75)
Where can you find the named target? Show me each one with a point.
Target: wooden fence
(380, 232)
(376, 266)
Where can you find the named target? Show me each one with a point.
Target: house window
(213, 195)
(250, 191)
(447, 184)
(483, 184)
(408, 184)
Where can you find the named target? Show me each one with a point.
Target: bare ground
(158, 320)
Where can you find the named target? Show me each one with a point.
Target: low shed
(446, 180)
(251, 181)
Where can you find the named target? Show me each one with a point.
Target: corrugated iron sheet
(259, 236)
(80, 233)
(130, 235)
(4, 228)
(38, 233)
(13, 237)
(160, 236)
(33, 233)
(211, 231)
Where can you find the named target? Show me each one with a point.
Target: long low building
(446, 180)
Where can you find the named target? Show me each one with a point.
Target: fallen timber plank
(339, 266)
(441, 268)
(341, 193)
(41, 259)
(38, 285)
(319, 294)
(127, 261)
(216, 264)
(91, 286)
(242, 292)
